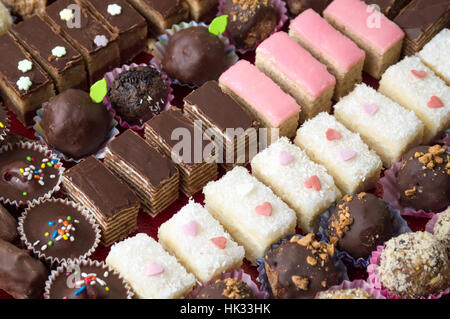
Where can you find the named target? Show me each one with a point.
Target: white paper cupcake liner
(238, 274)
(374, 280)
(88, 262)
(264, 281)
(50, 260)
(357, 284)
(5, 125)
(100, 154)
(400, 226)
(49, 154)
(161, 45)
(111, 76)
(280, 7)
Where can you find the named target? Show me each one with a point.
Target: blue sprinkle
(79, 291)
(36, 171)
(55, 233)
(54, 161)
(51, 223)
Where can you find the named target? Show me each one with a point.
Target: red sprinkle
(333, 134)
(420, 74)
(314, 183)
(435, 102)
(219, 242)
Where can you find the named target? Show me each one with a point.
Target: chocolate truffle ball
(354, 293)
(442, 228)
(74, 124)
(138, 94)
(359, 223)
(250, 21)
(195, 56)
(300, 268)
(424, 179)
(413, 265)
(229, 288)
(298, 6)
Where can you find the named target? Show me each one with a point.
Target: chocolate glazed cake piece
(153, 177)
(97, 45)
(219, 112)
(62, 62)
(122, 19)
(21, 276)
(112, 202)
(23, 92)
(161, 15)
(196, 170)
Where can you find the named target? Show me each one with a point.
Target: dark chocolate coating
(116, 287)
(36, 224)
(432, 185)
(371, 226)
(250, 22)
(8, 225)
(74, 124)
(21, 275)
(229, 288)
(290, 259)
(195, 56)
(298, 6)
(138, 94)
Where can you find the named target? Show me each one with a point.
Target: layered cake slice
(24, 86)
(378, 36)
(200, 243)
(231, 127)
(161, 15)
(341, 55)
(422, 20)
(297, 72)
(262, 97)
(353, 165)
(436, 55)
(249, 211)
(151, 271)
(83, 31)
(122, 19)
(414, 86)
(302, 184)
(152, 176)
(111, 202)
(385, 126)
(178, 138)
(62, 62)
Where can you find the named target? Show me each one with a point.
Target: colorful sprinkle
(154, 269)
(285, 158)
(24, 193)
(47, 234)
(79, 291)
(190, 228)
(107, 288)
(50, 243)
(370, 109)
(332, 134)
(2, 125)
(435, 102)
(314, 183)
(347, 155)
(420, 74)
(265, 209)
(219, 242)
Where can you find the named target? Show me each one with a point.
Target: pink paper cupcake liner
(111, 76)
(357, 284)
(161, 45)
(279, 5)
(100, 154)
(374, 280)
(4, 126)
(429, 227)
(238, 274)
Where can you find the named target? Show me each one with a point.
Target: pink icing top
(245, 80)
(332, 44)
(297, 64)
(372, 26)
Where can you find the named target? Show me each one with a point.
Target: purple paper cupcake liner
(400, 226)
(264, 281)
(163, 40)
(280, 7)
(375, 282)
(111, 76)
(39, 134)
(238, 274)
(5, 125)
(356, 284)
(429, 227)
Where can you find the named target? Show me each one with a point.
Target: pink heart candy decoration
(154, 269)
(219, 242)
(420, 74)
(435, 102)
(190, 228)
(347, 154)
(314, 183)
(333, 134)
(370, 109)
(265, 209)
(285, 158)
